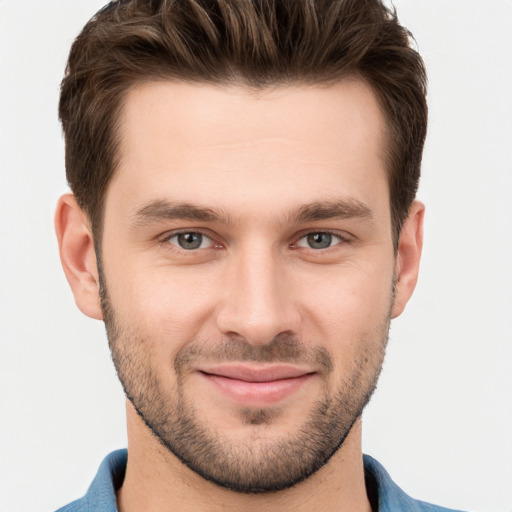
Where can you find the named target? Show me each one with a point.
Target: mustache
(284, 348)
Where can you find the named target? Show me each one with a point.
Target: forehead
(210, 143)
(228, 115)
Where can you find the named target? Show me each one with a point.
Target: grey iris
(190, 240)
(319, 240)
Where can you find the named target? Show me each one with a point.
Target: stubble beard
(256, 464)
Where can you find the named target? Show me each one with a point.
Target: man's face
(248, 271)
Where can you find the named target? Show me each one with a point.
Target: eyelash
(343, 238)
(165, 241)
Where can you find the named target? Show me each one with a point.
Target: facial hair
(259, 463)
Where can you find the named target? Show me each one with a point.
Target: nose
(258, 301)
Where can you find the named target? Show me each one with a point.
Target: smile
(253, 386)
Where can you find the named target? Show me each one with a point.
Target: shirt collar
(102, 491)
(384, 494)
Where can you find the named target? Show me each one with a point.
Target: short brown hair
(256, 43)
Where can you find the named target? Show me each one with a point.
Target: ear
(408, 257)
(77, 255)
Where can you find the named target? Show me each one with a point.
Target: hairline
(239, 81)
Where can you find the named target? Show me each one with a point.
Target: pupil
(190, 240)
(319, 240)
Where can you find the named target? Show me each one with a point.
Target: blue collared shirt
(386, 495)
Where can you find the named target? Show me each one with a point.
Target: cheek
(166, 306)
(357, 293)
(351, 306)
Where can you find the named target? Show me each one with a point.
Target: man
(244, 221)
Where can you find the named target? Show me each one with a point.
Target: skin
(258, 160)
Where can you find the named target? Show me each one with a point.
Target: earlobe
(77, 255)
(408, 257)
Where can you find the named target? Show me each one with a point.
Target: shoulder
(387, 496)
(76, 506)
(101, 494)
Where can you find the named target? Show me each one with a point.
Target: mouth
(256, 385)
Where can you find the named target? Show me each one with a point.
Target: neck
(156, 480)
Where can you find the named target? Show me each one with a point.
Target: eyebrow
(324, 210)
(164, 210)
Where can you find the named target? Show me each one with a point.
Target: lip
(253, 385)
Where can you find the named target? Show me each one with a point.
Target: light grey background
(441, 421)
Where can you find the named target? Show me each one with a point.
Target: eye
(190, 240)
(319, 240)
